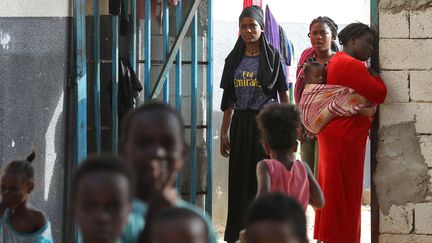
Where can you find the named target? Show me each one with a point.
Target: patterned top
(248, 91)
(9, 235)
(320, 103)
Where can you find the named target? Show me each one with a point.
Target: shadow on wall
(32, 83)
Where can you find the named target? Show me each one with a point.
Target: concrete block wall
(405, 32)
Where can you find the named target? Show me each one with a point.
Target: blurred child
(102, 199)
(179, 225)
(153, 143)
(275, 218)
(282, 173)
(20, 222)
(321, 102)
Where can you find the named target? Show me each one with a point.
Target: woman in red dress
(342, 143)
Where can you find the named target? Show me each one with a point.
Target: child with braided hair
(20, 222)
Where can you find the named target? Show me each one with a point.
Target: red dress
(342, 145)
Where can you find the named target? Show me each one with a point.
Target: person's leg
(315, 168)
(307, 152)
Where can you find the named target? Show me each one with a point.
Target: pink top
(294, 182)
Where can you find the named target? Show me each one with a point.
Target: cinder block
(398, 221)
(400, 54)
(421, 86)
(186, 48)
(389, 21)
(388, 238)
(426, 149)
(423, 116)
(395, 113)
(423, 218)
(397, 86)
(429, 198)
(421, 24)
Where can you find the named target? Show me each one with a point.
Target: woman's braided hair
(333, 28)
(354, 30)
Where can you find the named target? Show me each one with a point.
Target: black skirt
(245, 152)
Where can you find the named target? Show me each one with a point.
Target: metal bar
(375, 212)
(125, 9)
(161, 63)
(96, 91)
(291, 94)
(133, 50)
(209, 109)
(81, 80)
(81, 77)
(194, 87)
(179, 40)
(166, 47)
(115, 80)
(178, 83)
(147, 50)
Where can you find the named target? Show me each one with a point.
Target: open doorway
(294, 17)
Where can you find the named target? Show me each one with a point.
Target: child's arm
(263, 177)
(316, 198)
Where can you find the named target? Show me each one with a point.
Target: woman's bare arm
(224, 140)
(283, 96)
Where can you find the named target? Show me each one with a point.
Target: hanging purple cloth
(271, 29)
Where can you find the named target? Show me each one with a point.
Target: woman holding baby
(342, 140)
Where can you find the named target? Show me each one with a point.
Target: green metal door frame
(374, 23)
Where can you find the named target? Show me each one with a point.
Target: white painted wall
(36, 8)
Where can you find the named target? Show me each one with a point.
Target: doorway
(294, 17)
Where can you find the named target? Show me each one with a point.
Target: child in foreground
(275, 218)
(153, 144)
(321, 102)
(20, 222)
(179, 225)
(282, 173)
(102, 199)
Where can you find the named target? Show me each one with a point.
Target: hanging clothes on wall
(156, 7)
(276, 36)
(271, 30)
(248, 3)
(129, 88)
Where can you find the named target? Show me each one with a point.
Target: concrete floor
(310, 214)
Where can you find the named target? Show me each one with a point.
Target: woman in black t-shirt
(252, 78)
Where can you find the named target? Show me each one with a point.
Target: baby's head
(179, 225)
(314, 72)
(153, 144)
(17, 181)
(278, 125)
(275, 218)
(102, 194)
